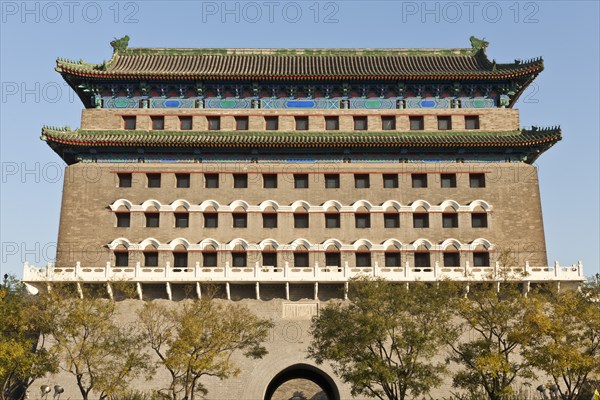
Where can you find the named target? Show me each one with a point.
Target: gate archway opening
(303, 371)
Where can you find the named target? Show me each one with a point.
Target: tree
(567, 341)
(383, 341)
(591, 288)
(102, 356)
(199, 338)
(494, 317)
(23, 357)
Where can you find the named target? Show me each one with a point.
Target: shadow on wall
(301, 395)
(302, 382)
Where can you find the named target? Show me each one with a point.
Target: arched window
(182, 217)
(391, 218)
(209, 256)
(269, 256)
(301, 218)
(479, 218)
(420, 218)
(449, 218)
(422, 257)
(211, 217)
(362, 218)
(121, 256)
(180, 257)
(332, 215)
(333, 257)
(151, 256)
(152, 217)
(239, 256)
(269, 217)
(481, 257)
(301, 257)
(451, 257)
(392, 256)
(123, 216)
(363, 257)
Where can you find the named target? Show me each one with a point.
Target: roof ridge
(79, 131)
(308, 51)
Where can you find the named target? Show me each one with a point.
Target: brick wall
(491, 119)
(87, 223)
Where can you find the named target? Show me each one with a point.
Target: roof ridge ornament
(120, 45)
(478, 44)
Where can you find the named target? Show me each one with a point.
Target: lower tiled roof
(121, 138)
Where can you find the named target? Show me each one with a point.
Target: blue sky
(34, 34)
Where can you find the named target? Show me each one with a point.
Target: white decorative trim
(449, 203)
(332, 203)
(363, 242)
(152, 242)
(301, 204)
(392, 243)
(301, 242)
(121, 202)
(420, 203)
(179, 241)
(480, 241)
(268, 203)
(152, 203)
(239, 204)
(391, 203)
(385, 246)
(479, 203)
(363, 203)
(422, 242)
(332, 242)
(181, 203)
(453, 242)
(118, 242)
(325, 207)
(237, 241)
(205, 243)
(205, 204)
(268, 242)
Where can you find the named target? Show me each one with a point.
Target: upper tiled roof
(298, 64)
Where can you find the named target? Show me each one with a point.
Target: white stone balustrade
(283, 274)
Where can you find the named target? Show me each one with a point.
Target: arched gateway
(303, 371)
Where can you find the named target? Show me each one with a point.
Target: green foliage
(383, 341)
(135, 395)
(22, 356)
(124, 289)
(199, 338)
(491, 360)
(102, 356)
(520, 393)
(591, 288)
(566, 345)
